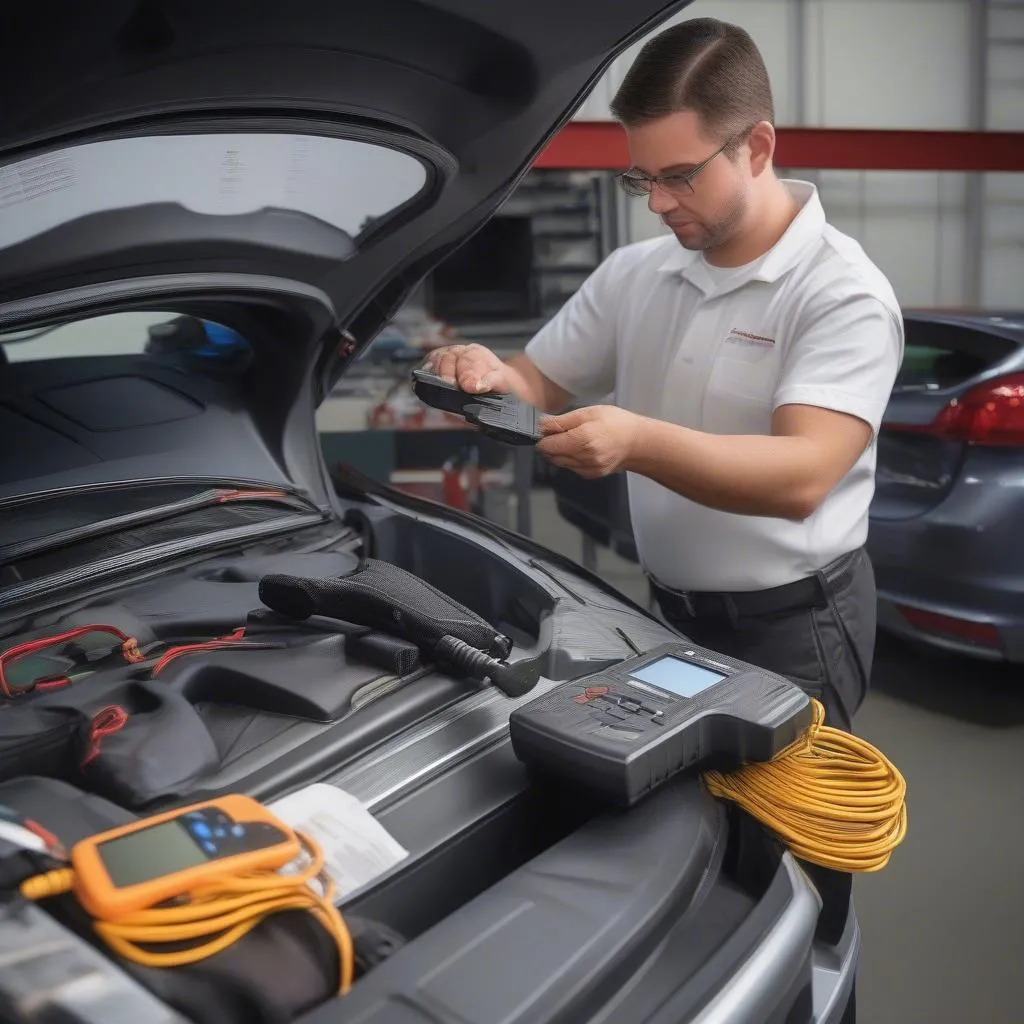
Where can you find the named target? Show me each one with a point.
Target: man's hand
(478, 370)
(472, 367)
(593, 442)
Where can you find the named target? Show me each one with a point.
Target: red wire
(209, 645)
(105, 722)
(52, 684)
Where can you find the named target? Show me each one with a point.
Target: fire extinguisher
(460, 480)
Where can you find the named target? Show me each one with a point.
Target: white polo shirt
(812, 322)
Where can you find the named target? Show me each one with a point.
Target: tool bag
(87, 705)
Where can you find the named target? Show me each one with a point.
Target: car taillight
(989, 414)
(983, 633)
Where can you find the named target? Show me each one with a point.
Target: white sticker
(357, 848)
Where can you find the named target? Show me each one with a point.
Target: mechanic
(750, 354)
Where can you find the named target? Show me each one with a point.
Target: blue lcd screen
(677, 676)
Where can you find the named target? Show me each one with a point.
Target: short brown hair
(704, 65)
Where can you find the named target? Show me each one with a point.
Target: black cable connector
(513, 680)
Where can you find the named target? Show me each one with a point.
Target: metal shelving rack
(573, 221)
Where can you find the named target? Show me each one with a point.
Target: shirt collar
(804, 232)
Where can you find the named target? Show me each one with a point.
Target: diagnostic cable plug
(513, 680)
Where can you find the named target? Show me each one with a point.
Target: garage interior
(908, 118)
(907, 115)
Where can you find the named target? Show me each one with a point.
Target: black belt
(809, 592)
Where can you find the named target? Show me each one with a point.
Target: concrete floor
(944, 922)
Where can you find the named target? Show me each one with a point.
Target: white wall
(1003, 232)
(1006, 67)
(868, 63)
(1003, 279)
(900, 64)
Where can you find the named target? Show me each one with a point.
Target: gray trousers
(827, 650)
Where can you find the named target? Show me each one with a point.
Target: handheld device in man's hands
(159, 858)
(505, 418)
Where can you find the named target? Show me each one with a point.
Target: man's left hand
(593, 442)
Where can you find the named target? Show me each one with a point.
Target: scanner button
(201, 829)
(238, 831)
(627, 704)
(210, 848)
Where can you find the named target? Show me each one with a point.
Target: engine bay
(183, 685)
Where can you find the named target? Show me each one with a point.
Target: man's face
(673, 145)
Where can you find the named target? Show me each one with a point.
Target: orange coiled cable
(834, 799)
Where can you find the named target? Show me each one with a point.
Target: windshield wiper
(209, 498)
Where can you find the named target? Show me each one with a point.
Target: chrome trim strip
(448, 738)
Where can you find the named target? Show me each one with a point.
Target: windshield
(346, 184)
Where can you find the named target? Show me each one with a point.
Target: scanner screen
(683, 678)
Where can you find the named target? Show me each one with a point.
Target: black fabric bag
(385, 598)
(38, 741)
(145, 743)
(311, 676)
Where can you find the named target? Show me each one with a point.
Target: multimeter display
(683, 678)
(184, 842)
(150, 853)
(626, 730)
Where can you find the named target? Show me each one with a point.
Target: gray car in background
(947, 518)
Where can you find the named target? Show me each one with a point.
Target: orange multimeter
(156, 859)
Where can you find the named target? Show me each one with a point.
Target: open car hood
(318, 155)
(348, 146)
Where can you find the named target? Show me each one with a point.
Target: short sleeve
(577, 348)
(844, 356)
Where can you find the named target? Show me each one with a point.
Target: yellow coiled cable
(832, 798)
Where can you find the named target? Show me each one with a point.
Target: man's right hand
(474, 368)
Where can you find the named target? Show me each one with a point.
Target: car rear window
(345, 183)
(943, 355)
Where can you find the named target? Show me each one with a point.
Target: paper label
(357, 848)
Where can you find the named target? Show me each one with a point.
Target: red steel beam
(601, 145)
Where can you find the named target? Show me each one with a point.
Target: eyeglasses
(636, 184)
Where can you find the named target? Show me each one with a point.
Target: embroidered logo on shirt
(749, 338)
